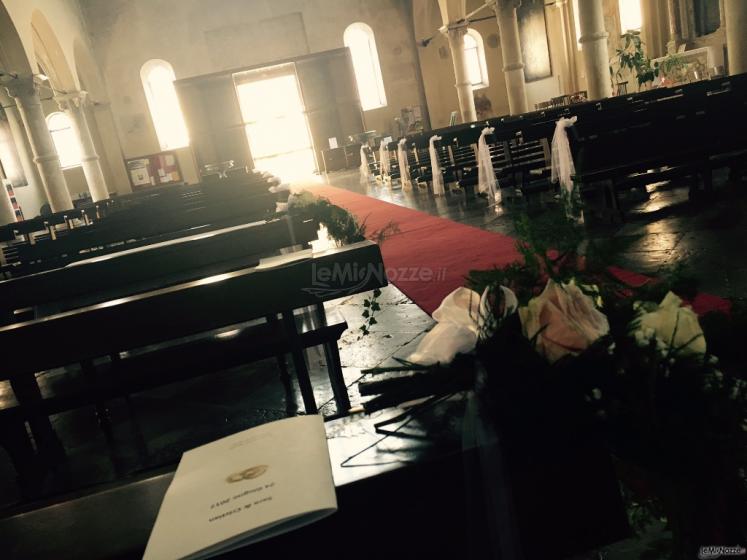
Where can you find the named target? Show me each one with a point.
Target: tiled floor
(156, 426)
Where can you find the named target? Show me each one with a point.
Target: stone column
(735, 14)
(594, 45)
(674, 29)
(455, 35)
(26, 93)
(569, 47)
(23, 148)
(513, 63)
(7, 212)
(72, 103)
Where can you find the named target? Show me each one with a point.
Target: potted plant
(630, 57)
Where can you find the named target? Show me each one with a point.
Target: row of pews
(617, 143)
(128, 220)
(160, 287)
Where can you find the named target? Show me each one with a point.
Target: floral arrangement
(344, 229)
(661, 388)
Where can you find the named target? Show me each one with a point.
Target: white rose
(564, 321)
(672, 326)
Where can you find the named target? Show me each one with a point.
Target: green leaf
(366, 313)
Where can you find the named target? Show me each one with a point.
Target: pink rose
(564, 321)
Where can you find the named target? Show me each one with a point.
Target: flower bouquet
(573, 360)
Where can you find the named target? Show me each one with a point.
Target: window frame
(479, 49)
(73, 137)
(374, 65)
(164, 139)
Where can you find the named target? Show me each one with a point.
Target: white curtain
(486, 180)
(438, 178)
(383, 157)
(562, 160)
(404, 169)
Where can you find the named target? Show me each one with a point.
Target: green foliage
(345, 229)
(674, 66)
(371, 306)
(632, 58)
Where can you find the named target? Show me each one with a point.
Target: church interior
(497, 246)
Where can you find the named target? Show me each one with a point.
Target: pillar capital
(72, 100)
(22, 86)
(498, 5)
(455, 30)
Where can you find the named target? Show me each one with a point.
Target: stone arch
(12, 54)
(49, 53)
(88, 73)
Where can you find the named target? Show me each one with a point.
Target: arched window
(631, 17)
(474, 55)
(64, 138)
(158, 82)
(359, 38)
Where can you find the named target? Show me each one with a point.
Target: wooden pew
(677, 136)
(635, 139)
(155, 265)
(184, 310)
(135, 226)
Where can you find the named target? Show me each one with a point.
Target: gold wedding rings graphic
(247, 474)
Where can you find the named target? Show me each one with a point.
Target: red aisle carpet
(431, 256)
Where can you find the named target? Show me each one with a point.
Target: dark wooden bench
(143, 267)
(132, 227)
(82, 335)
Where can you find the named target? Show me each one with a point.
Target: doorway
(275, 122)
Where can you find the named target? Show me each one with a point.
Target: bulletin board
(153, 170)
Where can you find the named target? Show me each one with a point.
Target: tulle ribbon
(438, 178)
(364, 165)
(486, 180)
(404, 169)
(384, 157)
(562, 160)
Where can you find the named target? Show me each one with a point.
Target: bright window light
(64, 138)
(158, 82)
(276, 127)
(359, 38)
(474, 55)
(577, 23)
(631, 18)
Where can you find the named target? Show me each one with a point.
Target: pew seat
(152, 367)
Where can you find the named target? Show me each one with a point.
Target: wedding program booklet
(245, 488)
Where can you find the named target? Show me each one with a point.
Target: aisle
(431, 256)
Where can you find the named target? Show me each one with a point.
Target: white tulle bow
(384, 157)
(462, 318)
(404, 168)
(438, 178)
(562, 160)
(364, 165)
(486, 180)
